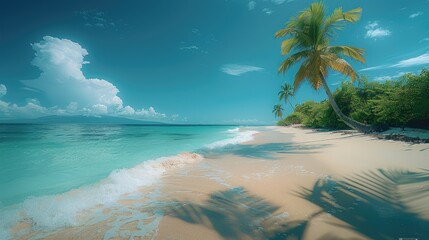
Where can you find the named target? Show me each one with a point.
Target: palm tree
(308, 37)
(286, 92)
(278, 110)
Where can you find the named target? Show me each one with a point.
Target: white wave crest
(239, 137)
(55, 211)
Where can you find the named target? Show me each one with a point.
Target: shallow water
(51, 173)
(48, 159)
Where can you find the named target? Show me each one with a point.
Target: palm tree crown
(278, 110)
(308, 44)
(286, 92)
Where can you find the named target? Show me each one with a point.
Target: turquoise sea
(39, 162)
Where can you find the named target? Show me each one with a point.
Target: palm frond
(353, 15)
(287, 45)
(352, 52)
(308, 39)
(301, 75)
(342, 66)
(291, 60)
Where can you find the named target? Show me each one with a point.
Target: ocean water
(50, 173)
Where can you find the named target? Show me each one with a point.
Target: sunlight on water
(48, 159)
(59, 175)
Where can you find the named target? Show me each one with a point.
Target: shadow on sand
(264, 151)
(378, 204)
(234, 213)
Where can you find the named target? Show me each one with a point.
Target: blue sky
(212, 61)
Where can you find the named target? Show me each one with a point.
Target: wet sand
(288, 183)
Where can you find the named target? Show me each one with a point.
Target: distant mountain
(81, 119)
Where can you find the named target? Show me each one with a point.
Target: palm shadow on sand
(377, 204)
(264, 151)
(382, 204)
(233, 214)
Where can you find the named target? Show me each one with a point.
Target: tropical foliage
(278, 110)
(308, 44)
(394, 103)
(286, 92)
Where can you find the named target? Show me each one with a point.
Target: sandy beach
(257, 190)
(288, 183)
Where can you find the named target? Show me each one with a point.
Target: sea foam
(55, 211)
(51, 212)
(239, 137)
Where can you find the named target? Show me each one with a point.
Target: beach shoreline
(265, 189)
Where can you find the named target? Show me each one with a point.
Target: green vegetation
(394, 103)
(307, 44)
(286, 92)
(278, 110)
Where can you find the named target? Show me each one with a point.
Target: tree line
(393, 103)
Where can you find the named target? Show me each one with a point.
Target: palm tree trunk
(287, 101)
(348, 121)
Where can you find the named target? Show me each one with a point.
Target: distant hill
(81, 119)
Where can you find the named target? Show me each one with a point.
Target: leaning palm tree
(286, 92)
(278, 110)
(308, 44)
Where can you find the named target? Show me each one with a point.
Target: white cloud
(66, 88)
(251, 5)
(99, 109)
(237, 69)
(142, 113)
(415, 61)
(267, 11)
(193, 47)
(375, 31)
(31, 109)
(373, 68)
(62, 80)
(414, 15)
(3, 90)
(150, 113)
(410, 62)
(392, 77)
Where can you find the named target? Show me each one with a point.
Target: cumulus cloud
(414, 15)
(375, 31)
(237, 69)
(32, 108)
(66, 88)
(62, 80)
